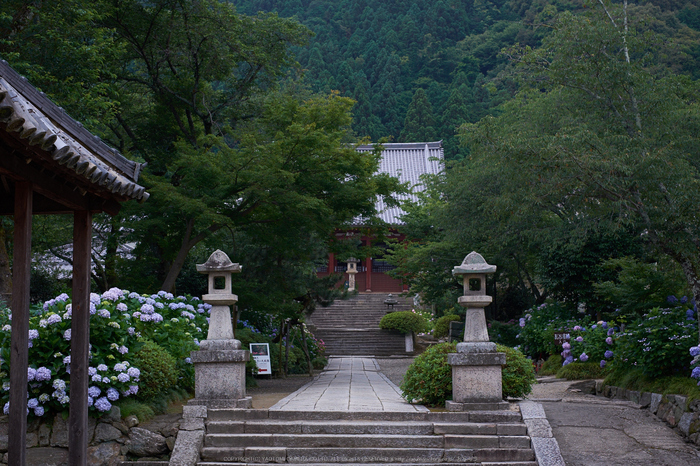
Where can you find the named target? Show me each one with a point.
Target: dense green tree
(419, 125)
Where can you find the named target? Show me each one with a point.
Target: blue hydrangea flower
(609, 340)
(42, 374)
(102, 404)
(112, 394)
(611, 332)
(92, 371)
(53, 319)
(67, 334)
(123, 377)
(59, 384)
(134, 373)
(32, 403)
(39, 411)
(583, 357)
(608, 354)
(602, 363)
(97, 378)
(694, 351)
(579, 338)
(31, 374)
(672, 299)
(104, 313)
(604, 325)
(696, 372)
(102, 367)
(94, 391)
(95, 299)
(684, 299)
(568, 360)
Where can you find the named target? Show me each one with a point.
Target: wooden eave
(69, 168)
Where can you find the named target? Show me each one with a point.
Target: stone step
(304, 455)
(489, 463)
(504, 416)
(366, 441)
(335, 441)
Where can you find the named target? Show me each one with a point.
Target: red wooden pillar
(80, 340)
(368, 275)
(19, 349)
(331, 263)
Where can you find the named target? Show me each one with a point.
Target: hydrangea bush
(119, 319)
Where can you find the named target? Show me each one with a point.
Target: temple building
(407, 162)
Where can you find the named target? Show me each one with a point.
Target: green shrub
(634, 379)
(581, 371)
(518, 374)
(403, 321)
(158, 370)
(442, 325)
(551, 366)
(659, 343)
(539, 324)
(429, 379)
(141, 410)
(505, 333)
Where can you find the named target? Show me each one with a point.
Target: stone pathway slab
(352, 384)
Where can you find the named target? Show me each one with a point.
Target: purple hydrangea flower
(32, 403)
(144, 317)
(157, 317)
(95, 299)
(684, 299)
(583, 357)
(522, 322)
(568, 360)
(696, 372)
(102, 404)
(566, 353)
(579, 338)
(566, 345)
(92, 371)
(112, 394)
(134, 373)
(604, 325)
(105, 379)
(119, 367)
(131, 330)
(611, 332)
(113, 294)
(577, 328)
(603, 363)
(147, 309)
(42, 374)
(190, 316)
(61, 298)
(6, 409)
(67, 334)
(608, 354)
(594, 326)
(609, 340)
(104, 313)
(102, 367)
(53, 319)
(672, 299)
(123, 377)
(188, 360)
(33, 334)
(97, 378)
(94, 391)
(90, 401)
(31, 374)
(133, 389)
(121, 307)
(59, 384)
(694, 351)
(39, 411)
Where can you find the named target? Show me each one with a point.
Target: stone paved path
(348, 384)
(596, 431)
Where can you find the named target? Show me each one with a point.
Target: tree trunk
(280, 365)
(305, 347)
(286, 350)
(5, 270)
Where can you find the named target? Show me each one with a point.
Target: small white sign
(261, 354)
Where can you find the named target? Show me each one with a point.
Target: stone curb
(544, 444)
(189, 442)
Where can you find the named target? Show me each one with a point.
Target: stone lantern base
(476, 378)
(219, 375)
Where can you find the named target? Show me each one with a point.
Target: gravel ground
(394, 368)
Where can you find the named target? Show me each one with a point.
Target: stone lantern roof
(474, 263)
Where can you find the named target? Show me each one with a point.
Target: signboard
(261, 355)
(560, 338)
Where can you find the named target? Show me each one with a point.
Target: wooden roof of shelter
(70, 168)
(50, 164)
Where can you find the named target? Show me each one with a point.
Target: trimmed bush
(403, 321)
(158, 370)
(442, 325)
(551, 365)
(518, 375)
(429, 379)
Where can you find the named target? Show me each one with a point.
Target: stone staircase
(246, 437)
(351, 327)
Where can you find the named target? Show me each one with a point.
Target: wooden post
(368, 264)
(80, 340)
(19, 349)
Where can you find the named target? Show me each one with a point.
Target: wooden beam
(19, 349)
(80, 340)
(53, 187)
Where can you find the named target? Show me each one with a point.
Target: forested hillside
(383, 52)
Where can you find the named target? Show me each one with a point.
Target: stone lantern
(219, 364)
(352, 271)
(476, 366)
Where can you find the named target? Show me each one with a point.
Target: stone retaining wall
(111, 439)
(675, 410)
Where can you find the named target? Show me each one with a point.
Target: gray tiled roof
(407, 162)
(30, 115)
